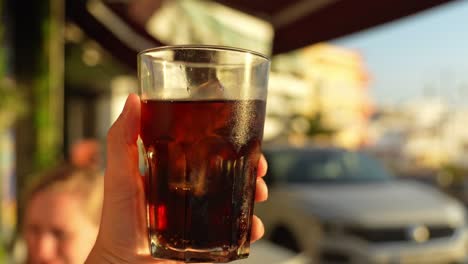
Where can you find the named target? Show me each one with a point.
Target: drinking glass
(202, 118)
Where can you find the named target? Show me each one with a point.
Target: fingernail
(126, 107)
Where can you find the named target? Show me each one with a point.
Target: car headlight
(456, 214)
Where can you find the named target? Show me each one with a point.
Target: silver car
(338, 206)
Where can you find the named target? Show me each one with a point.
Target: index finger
(262, 166)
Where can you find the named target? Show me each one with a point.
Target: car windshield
(325, 166)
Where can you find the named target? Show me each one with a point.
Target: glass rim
(200, 47)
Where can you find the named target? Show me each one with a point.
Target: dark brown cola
(202, 158)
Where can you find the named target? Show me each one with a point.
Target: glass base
(190, 255)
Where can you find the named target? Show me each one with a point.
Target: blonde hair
(88, 185)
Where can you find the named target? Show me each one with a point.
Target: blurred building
(425, 132)
(326, 80)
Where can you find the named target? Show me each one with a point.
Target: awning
(119, 26)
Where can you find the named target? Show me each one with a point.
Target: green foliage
(451, 175)
(12, 103)
(316, 126)
(2, 254)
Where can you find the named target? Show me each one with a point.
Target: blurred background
(385, 79)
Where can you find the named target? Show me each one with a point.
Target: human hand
(122, 235)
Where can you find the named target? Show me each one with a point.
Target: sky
(418, 56)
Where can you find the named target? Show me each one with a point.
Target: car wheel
(283, 237)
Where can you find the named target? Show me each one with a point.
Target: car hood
(377, 203)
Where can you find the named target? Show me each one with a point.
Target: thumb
(122, 150)
(123, 227)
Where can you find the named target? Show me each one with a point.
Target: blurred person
(86, 153)
(62, 216)
(123, 234)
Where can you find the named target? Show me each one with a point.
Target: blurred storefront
(90, 104)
